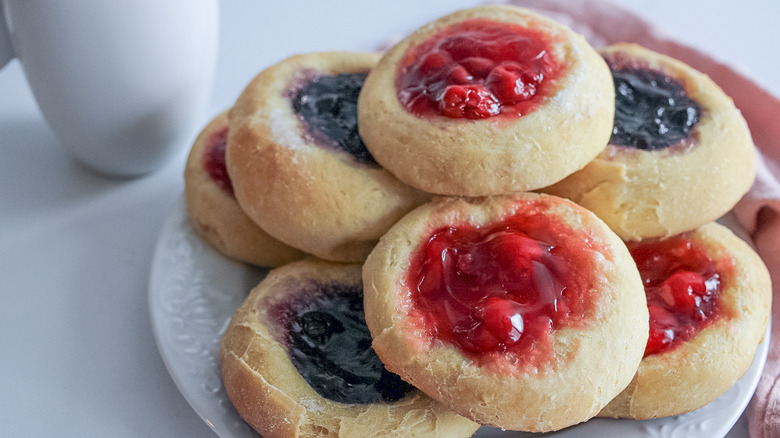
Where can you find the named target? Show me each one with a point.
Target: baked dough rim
(514, 402)
(217, 217)
(653, 194)
(322, 200)
(269, 393)
(492, 156)
(722, 352)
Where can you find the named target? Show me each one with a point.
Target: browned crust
(322, 201)
(217, 217)
(491, 156)
(645, 194)
(701, 370)
(276, 401)
(593, 365)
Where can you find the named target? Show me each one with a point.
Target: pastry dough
(568, 124)
(661, 192)
(694, 373)
(301, 189)
(272, 396)
(214, 212)
(567, 375)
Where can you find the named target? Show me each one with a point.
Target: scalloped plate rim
(185, 271)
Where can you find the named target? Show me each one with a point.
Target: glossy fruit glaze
(683, 286)
(476, 69)
(652, 109)
(506, 287)
(327, 105)
(214, 159)
(330, 345)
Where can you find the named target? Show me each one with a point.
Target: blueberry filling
(330, 345)
(652, 110)
(327, 106)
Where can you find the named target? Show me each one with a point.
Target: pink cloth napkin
(603, 23)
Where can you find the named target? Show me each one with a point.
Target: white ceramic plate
(194, 291)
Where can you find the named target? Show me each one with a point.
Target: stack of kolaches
(492, 223)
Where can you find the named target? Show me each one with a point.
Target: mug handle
(6, 52)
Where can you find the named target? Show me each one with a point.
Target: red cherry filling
(214, 160)
(504, 288)
(477, 69)
(686, 291)
(683, 287)
(470, 101)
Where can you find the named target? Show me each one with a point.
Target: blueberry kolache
(680, 155)
(215, 214)
(709, 298)
(299, 166)
(297, 361)
(490, 100)
(524, 312)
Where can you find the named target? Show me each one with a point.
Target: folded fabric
(604, 23)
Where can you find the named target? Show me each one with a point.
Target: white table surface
(78, 354)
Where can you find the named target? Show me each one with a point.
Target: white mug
(122, 84)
